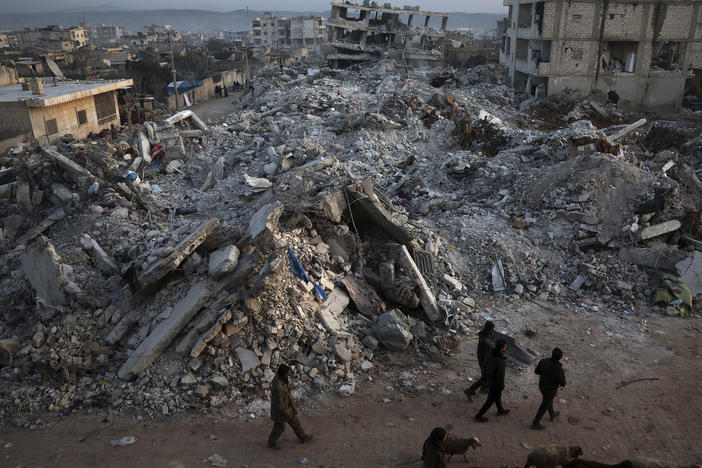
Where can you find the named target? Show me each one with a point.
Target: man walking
(283, 409)
(485, 345)
(551, 376)
(495, 375)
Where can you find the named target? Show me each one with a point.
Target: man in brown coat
(283, 409)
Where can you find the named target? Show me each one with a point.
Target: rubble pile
(335, 217)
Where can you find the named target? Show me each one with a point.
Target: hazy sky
(471, 6)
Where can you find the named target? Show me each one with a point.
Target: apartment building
(644, 50)
(362, 32)
(105, 34)
(297, 32)
(53, 38)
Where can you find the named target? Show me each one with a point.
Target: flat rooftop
(394, 10)
(63, 91)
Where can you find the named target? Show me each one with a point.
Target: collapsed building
(642, 51)
(334, 218)
(359, 33)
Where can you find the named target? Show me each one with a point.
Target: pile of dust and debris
(333, 220)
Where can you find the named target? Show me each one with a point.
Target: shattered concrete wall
(14, 121)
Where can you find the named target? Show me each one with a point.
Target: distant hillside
(193, 20)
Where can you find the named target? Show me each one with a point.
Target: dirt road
(659, 418)
(216, 109)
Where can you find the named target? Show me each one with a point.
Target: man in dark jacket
(551, 376)
(485, 345)
(283, 409)
(495, 367)
(433, 453)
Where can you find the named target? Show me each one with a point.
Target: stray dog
(460, 446)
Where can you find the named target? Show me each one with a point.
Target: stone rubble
(330, 221)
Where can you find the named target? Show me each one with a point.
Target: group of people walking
(221, 91)
(491, 359)
(492, 362)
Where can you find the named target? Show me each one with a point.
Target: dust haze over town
(399, 229)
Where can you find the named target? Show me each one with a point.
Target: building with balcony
(359, 33)
(644, 50)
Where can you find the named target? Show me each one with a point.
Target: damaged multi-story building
(644, 51)
(358, 33)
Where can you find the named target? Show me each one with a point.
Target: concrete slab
(336, 302)
(690, 272)
(660, 229)
(41, 265)
(427, 299)
(265, 220)
(247, 358)
(161, 336)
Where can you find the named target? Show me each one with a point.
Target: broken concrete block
(364, 296)
(453, 282)
(659, 256)
(258, 184)
(392, 330)
(61, 194)
(223, 261)
(265, 221)
(235, 326)
(336, 302)
(188, 379)
(660, 229)
(247, 358)
(332, 204)
(120, 213)
(102, 260)
(219, 381)
(41, 265)
(690, 272)
(69, 166)
(342, 352)
(160, 268)
(161, 336)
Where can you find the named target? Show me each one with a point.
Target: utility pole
(175, 80)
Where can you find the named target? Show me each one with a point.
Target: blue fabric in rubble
(298, 271)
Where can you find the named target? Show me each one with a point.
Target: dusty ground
(660, 418)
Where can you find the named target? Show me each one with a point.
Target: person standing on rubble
(433, 453)
(485, 346)
(551, 376)
(283, 409)
(495, 367)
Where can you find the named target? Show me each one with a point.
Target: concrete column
(642, 39)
